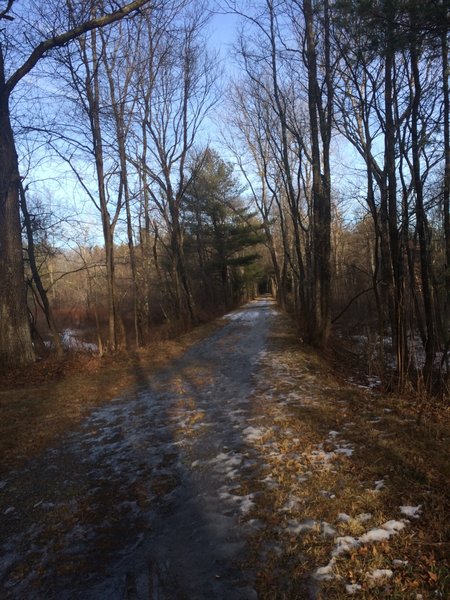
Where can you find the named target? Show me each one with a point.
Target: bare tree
(15, 340)
(175, 102)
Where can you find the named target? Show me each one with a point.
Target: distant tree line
(181, 235)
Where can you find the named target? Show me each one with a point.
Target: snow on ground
(186, 462)
(70, 341)
(345, 544)
(145, 478)
(411, 511)
(377, 574)
(352, 588)
(371, 346)
(297, 391)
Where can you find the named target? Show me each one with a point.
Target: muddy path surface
(148, 497)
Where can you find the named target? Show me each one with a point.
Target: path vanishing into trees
(141, 496)
(244, 469)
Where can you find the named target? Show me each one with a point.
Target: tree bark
(446, 186)
(319, 321)
(15, 337)
(421, 224)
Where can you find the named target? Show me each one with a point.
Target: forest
(326, 185)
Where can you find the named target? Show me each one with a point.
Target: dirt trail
(146, 498)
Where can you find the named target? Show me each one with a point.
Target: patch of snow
(246, 503)
(346, 451)
(291, 504)
(322, 456)
(9, 510)
(379, 485)
(375, 535)
(344, 517)
(294, 527)
(377, 574)
(327, 530)
(393, 525)
(345, 544)
(333, 434)
(243, 315)
(325, 573)
(363, 517)
(253, 433)
(2, 484)
(352, 588)
(411, 511)
(386, 531)
(254, 524)
(70, 341)
(399, 563)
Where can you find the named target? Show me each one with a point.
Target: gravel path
(147, 499)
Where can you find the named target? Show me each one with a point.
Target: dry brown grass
(388, 444)
(41, 402)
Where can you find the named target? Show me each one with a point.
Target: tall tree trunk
(319, 322)
(118, 108)
(36, 276)
(93, 96)
(15, 337)
(291, 194)
(421, 223)
(185, 299)
(398, 324)
(446, 186)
